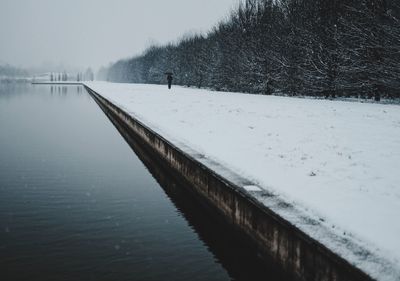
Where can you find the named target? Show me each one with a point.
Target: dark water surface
(76, 203)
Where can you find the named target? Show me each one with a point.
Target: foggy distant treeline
(11, 71)
(297, 47)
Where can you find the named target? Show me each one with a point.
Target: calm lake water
(76, 203)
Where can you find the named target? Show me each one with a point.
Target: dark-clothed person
(169, 78)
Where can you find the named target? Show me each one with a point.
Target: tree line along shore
(322, 48)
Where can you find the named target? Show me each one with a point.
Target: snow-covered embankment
(334, 162)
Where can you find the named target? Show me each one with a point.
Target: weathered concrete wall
(281, 242)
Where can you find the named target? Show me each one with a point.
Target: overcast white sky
(95, 32)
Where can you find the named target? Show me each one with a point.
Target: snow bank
(337, 162)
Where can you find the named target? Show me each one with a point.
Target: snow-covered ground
(334, 161)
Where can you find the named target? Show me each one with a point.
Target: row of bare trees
(59, 76)
(324, 48)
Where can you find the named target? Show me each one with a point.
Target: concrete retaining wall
(295, 252)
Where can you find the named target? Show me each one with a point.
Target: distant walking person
(169, 78)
